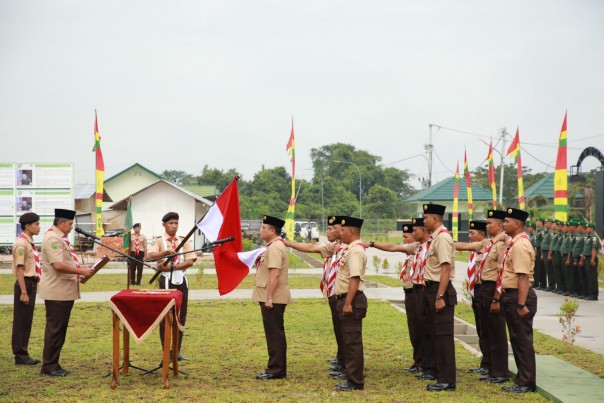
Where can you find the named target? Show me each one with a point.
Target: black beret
(478, 225)
(497, 214)
(407, 227)
(274, 221)
(136, 225)
(334, 219)
(418, 222)
(517, 214)
(351, 222)
(62, 213)
(170, 216)
(28, 218)
(434, 209)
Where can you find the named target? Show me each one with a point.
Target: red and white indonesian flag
(223, 220)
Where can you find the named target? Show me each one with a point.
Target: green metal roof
(202, 190)
(129, 168)
(443, 191)
(544, 187)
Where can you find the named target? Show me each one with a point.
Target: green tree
(480, 176)
(382, 202)
(179, 178)
(216, 177)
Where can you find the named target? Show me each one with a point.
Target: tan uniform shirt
(23, 255)
(490, 271)
(353, 264)
(177, 276)
(520, 260)
(328, 249)
(142, 242)
(56, 285)
(274, 257)
(442, 250)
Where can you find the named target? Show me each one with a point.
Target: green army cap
(572, 223)
(549, 220)
(527, 223)
(591, 225)
(581, 223)
(534, 225)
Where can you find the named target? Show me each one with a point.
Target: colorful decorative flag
(561, 178)
(100, 177)
(492, 175)
(466, 174)
(455, 223)
(223, 220)
(289, 217)
(514, 152)
(127, 228)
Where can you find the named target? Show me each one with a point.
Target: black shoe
(334, 367)
(338, 375)
(57, 372)
(440, 387)
(484, 378)
(181, 357)
(332, 361)
(519, 389)
(265, 375)
(425, 377)
(413, 370)
(347, 387)
(498, 379)
(26, 361)
(482, 371)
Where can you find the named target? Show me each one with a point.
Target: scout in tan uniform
(476, 246)
(138, 250)
(26, 266)
(442, 297)
(271, 291)
(330, 251)
(174, 270)
(409, 247)
(352, 302)
(519, 300)
(59, 287)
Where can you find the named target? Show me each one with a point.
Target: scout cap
(274, 221)
(28, 218)
(67, 214)
(434, 209)
(497, 214)
(334, 219)
(517, 214)
(351, 222)
(418, 222)
(478, 225)
(170, 216)
(407, 227)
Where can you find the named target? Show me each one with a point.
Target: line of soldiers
(566, 257)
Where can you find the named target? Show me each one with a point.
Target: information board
(37, 187)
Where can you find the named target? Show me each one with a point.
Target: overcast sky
(181, 84)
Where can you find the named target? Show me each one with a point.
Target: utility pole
(504, 134)
(429, 148)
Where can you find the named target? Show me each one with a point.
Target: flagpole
(186, 238)
(504, 134)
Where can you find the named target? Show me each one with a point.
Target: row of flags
(560, 180)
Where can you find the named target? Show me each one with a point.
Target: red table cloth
(142, 310)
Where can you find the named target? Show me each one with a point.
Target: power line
(404, 159)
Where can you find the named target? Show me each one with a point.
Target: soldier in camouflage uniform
(547, 281)
(590, 259)
(539, 269)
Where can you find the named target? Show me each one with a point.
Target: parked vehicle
(307, 230)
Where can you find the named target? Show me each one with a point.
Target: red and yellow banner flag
(100, 177)
(289, 217)
(455, 219)
(466, 174)
(561, 178)
(514, 152)
(492, 175)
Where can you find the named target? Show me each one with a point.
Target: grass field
(226, 347)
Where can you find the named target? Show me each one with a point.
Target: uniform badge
(54, 245)
(405, 228)
(509, 211)
(20, 252)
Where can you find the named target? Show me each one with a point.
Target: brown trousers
(478, 317)
(57, 320)
(521, 335)
(136, 268)
(337, 330)
(23, 316)
(413, 323)
(183, 309)
(428, 361)
(493, 328)
(352, 332)
(441, 326)
(276, 343)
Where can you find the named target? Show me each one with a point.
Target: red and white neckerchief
(417, 259)
(173, 245)
(471, 279)
(72, 251)
(259, 260)
(505, 256)
(333, 270)
(408, 263)
(485, 254)
(36, 257)
(137, 244)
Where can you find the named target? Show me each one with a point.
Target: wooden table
(140, 311)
